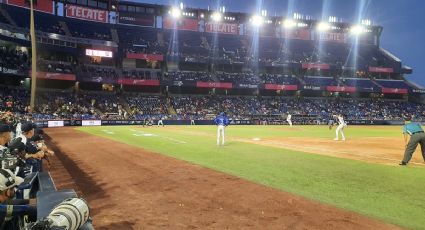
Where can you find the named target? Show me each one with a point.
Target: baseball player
(331, 123)
(160, 122)
(417, 136)
(340, 128)
(221, 121)
(5, 132)
(288, 119)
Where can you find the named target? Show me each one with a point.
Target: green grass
(390, 193)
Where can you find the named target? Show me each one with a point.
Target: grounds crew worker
(417, 136)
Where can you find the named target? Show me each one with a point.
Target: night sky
(403, 20)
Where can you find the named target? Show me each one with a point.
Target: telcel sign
(98, 53)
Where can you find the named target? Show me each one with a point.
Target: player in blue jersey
(221, 121)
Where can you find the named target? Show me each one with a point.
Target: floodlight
(323, 26)
(216, 16)
(175, 12)
(357, 29)
(288, 23)
(257, 20)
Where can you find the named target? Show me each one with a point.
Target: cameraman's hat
(16, 145)
(4, 128)
(26, 127)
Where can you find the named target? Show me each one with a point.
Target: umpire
(417, 136)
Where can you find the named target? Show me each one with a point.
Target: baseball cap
(38, 130)
(4, 128)
(8, 179)
(36, 137)
(25, 127)
(16, 145)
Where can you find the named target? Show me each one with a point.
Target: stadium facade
(126, 46)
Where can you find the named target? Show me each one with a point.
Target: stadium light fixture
(323, 26)
(216, 16)
(288, 24)
(357, 29)
(175, 12)
(257, 20)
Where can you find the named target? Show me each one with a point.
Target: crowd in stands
(242, 78)
(87, 105)
(140, 74)
(54, 66)
(12, 59)
(98, 73)
(13, 100)
(246, 107)
(144, 106)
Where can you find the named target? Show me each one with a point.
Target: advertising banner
(367, 89)
(380, 70)
(8, 71)
(315, 66)
(280, 87)
(346, 89)
(99, 53)
(222, 28)
(42, 5)
(55, 76)
(419, 91)
(55, 124)
(179, 83)
(218, 85)
(103, 80)
(181, 24)
(334, 37)
(300, 34)
(85, 13)
(136, 19)
(246, 86)
(91, 122)
(129, 81)
(394, 91)
(315, 88)
(148, 57)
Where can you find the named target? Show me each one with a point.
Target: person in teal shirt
(417, 136)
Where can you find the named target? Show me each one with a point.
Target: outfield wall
(62, 123)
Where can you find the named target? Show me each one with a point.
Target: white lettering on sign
(86, 13)
(338, 37)
(99, 53)
(224, 28)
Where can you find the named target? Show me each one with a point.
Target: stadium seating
(397, 84)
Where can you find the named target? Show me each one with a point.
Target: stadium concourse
(107, 62)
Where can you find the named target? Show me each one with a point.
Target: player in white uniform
(288, 119)
(340, 128)
(160, 122)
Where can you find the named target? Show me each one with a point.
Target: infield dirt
(130, 188)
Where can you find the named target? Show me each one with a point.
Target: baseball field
(265, 177)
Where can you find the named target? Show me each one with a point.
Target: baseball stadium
(209, 115)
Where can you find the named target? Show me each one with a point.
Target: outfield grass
(389, 193)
